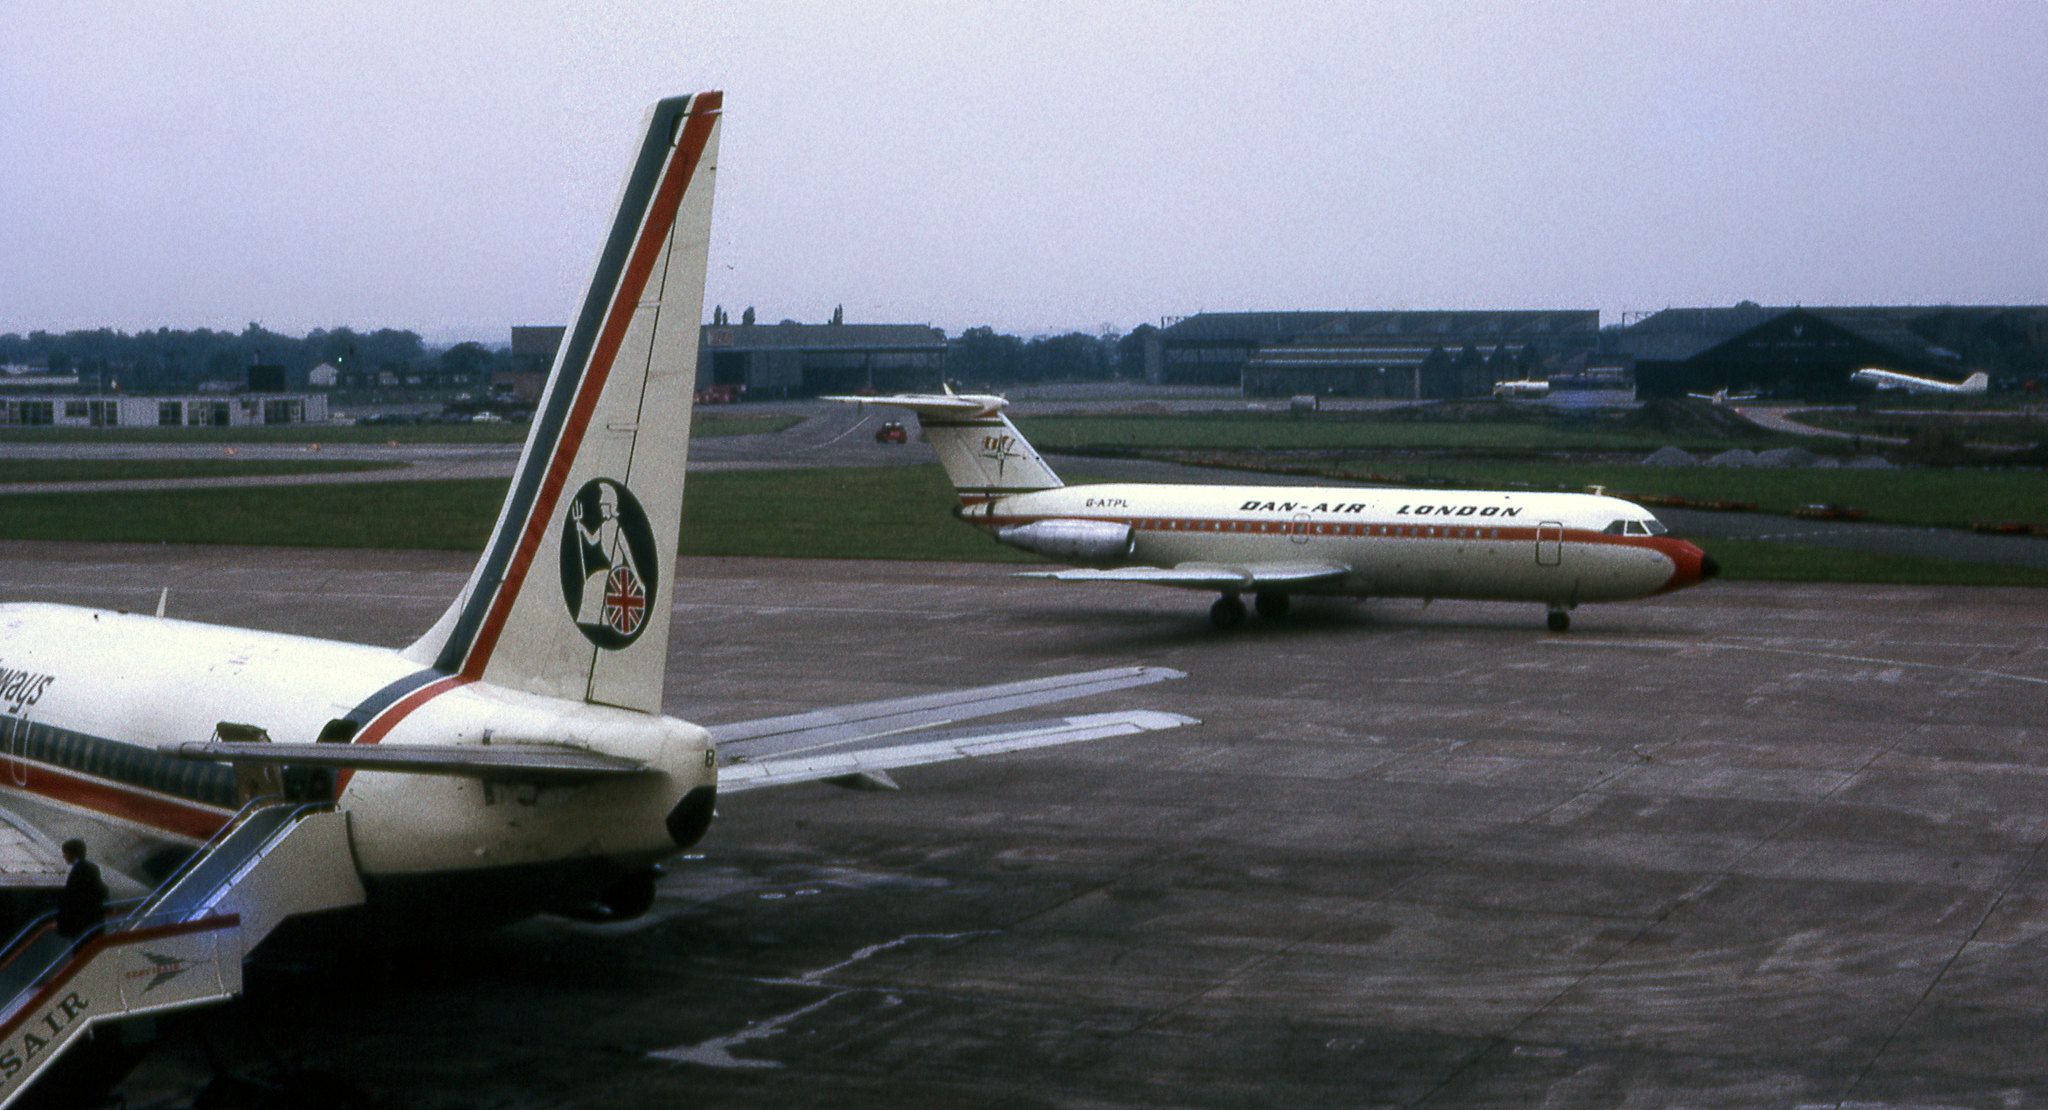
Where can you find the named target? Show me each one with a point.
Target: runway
(1748, 844)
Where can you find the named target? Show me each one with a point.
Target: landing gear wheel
(1227, 613)
(1560, 620)
(1271, 604)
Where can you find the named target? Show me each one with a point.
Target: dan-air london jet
(1560, 549)
(515, 758)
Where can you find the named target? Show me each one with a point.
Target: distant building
(535, 345)
(1368, 354)
(324, 376)
(525, 374)
(266, 377)
(1809, 352)
(186, 411)
(798, 360)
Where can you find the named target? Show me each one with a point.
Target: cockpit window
(1635, 528)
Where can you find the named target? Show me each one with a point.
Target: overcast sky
(1037, 167)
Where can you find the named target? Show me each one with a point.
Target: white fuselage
(1550, 547)
(1976, 384)
(86, 697)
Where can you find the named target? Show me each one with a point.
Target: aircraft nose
(1689, 565)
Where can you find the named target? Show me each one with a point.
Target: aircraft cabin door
(17, 756)
(1297, 530)
(1549, 543)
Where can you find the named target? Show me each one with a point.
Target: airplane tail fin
(1979, 382)
(571, 597)
(983, 453)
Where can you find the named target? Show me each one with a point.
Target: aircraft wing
(1207, 576)
(847, 763)
(505, 762)
(855, 744)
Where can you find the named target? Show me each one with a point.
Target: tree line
(172, 359)
(177, 359)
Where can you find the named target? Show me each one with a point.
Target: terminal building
(1809, 353)
(197, 410)
(43, 401)
(1395, 354)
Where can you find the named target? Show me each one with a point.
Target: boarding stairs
(181, 946)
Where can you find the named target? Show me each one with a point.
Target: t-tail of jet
(571, 597)
(983, 453)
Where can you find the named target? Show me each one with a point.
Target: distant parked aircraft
(1559, 549)
(1722, 397)
(1977, 384)
(1525, 387)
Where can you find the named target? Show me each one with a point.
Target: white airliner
(1976, 384)
(1560, 549)
(515, 758)
(1523, 387)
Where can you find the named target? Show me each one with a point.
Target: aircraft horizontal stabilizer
(548, 764)
(869, 764)
(1206, 576)
(932, 404)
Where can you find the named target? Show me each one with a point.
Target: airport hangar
(1801, 352)
(1392, 354)
(1809, 353)
(773, 361)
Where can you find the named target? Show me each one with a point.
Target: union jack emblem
(625, 601)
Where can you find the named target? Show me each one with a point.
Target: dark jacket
(84, 901)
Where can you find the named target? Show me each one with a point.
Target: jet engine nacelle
(1073, 541)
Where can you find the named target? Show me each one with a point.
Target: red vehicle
(891, 432)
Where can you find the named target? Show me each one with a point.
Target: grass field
(112, 470)
(1758, 561)
(848, 513)
(2015, 429)
(276, 433)
(1938, 498)
(704, 426)
(1495, 431)
(855, 513)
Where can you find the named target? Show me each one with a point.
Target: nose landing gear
(1560, 620)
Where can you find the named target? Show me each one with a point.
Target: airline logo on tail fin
(601, 478)
(610, 568)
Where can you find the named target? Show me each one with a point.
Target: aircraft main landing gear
(1560, 620)
(1227, 613)
(1271, 604)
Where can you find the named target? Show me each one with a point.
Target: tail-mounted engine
(1073, 541)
